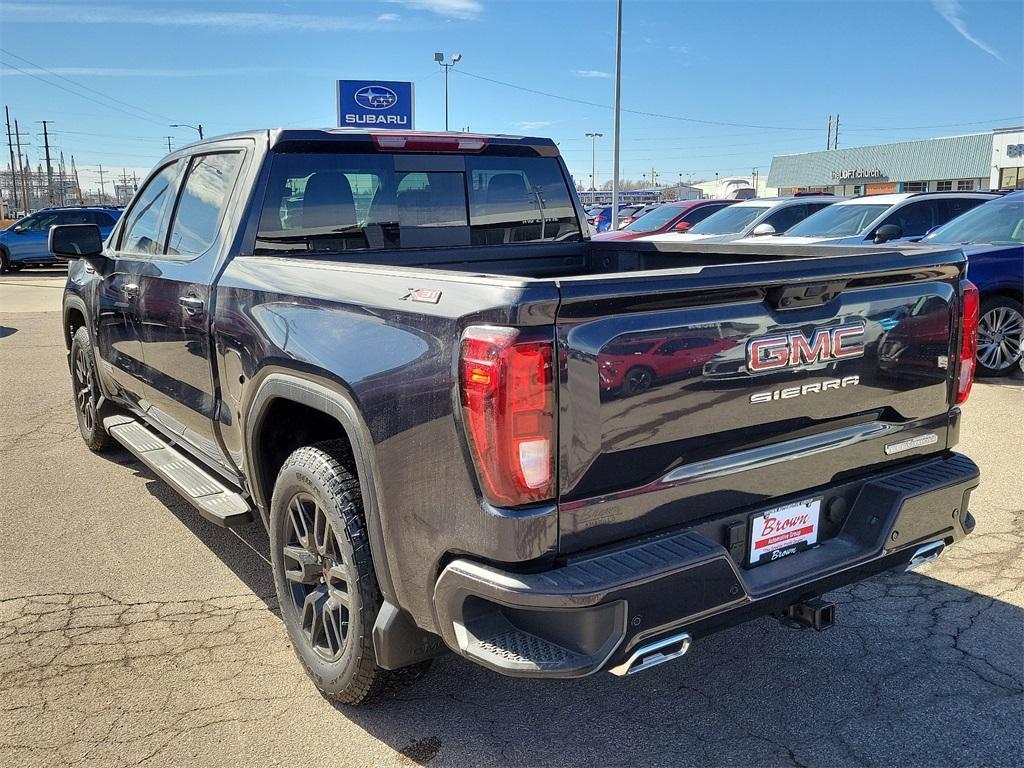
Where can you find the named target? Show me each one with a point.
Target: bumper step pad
(595, 608)
(215, 501)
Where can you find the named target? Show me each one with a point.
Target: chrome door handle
(192, 304)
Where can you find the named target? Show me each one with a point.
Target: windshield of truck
(1000, 222)
(728, 221)
(342, 202)
(838, 221)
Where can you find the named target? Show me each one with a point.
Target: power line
(81, 85)
(82, 95)
(723, 122)
(631, 111)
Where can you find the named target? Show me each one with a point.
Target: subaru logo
(375, 97)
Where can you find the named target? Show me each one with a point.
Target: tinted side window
(701, 213)
(952, 207)
(203, 198)
(785, 218)
(101, 219)
(74, 217)
(914, 218)
(146, 222)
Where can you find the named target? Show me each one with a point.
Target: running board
(214, 500)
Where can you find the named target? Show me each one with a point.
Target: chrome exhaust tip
(926, 554)
(653, 654)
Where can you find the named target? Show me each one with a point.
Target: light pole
(439, 58)
(593, 157)
(197, 128)
(618, 111)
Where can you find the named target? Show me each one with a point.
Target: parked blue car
(992, 237)
(24, 244)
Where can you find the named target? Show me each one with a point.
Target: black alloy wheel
(324, 576)
(86, 392)
(318, 576)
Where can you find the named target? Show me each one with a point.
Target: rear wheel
(999, 335)
(85, 387)
(323, 574)
(638, 379)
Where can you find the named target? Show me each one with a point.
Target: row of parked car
(989, 226)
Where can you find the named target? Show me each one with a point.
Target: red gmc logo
(794, 349)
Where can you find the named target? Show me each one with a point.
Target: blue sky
(755, 78)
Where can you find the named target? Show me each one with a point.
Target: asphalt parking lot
(132, 631)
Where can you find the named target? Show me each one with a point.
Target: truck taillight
(970, 309)
(508, 406)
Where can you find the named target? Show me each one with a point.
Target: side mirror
(682, 226)
(19, 230)
(763, 229)
(887, 232)
(75, 241)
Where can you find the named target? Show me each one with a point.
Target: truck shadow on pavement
(916, 671)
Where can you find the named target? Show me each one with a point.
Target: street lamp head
(438, 57)
(456, 57)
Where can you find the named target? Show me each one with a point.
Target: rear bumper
(595, 610)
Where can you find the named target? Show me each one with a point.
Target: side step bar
(214, 500)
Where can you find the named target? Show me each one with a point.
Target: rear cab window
(319, 203)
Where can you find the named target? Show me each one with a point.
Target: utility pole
(78, 186)
(49, 167)
(10, 149)
(618, 111)
(828, 140)
(169, 150)
(835, 141)
(103, 189)
(61, 178)
(593, 159)
(21, 170)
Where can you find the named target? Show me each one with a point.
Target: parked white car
(757, 218)
(880, 218)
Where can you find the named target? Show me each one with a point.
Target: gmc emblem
(795, 350)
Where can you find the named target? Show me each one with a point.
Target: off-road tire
(85, 390)
(317, 472)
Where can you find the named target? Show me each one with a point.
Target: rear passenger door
(174, 302)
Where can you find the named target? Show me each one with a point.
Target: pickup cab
(394, 350)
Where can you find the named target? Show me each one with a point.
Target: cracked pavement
(134, 632)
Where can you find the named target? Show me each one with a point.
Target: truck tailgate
(691, 392)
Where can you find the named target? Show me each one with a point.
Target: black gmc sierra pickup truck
(468, 427)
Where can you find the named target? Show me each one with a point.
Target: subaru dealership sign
(376, 104)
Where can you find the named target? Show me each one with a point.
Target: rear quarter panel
(356, 328)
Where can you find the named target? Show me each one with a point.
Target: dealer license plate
(784, 531)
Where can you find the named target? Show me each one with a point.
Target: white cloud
(387, 18)
(235, 20)
(458, 9)
(950, 10)
(130, 72)
(532, 125)
(590, 73)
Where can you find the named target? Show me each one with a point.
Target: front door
(121, 363)
(174, 304)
